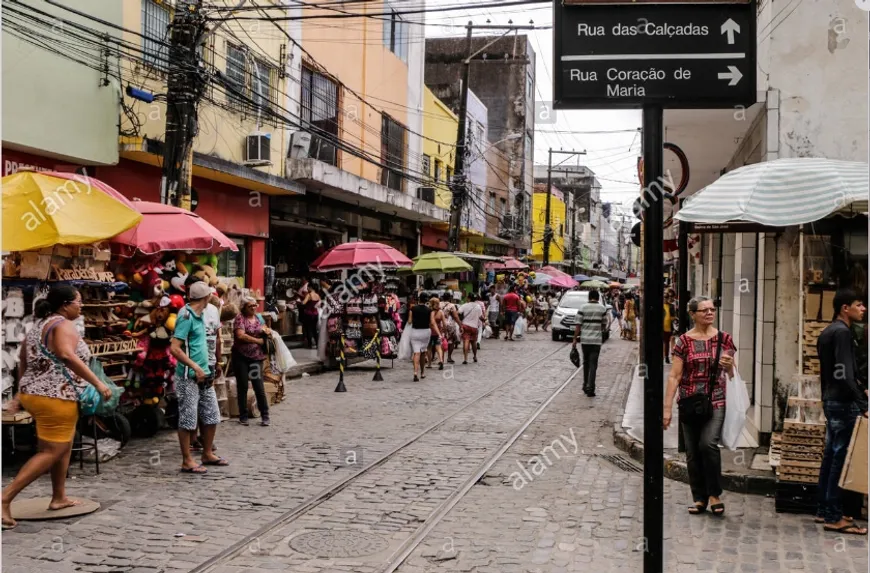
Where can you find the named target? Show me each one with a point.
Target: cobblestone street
(560, 498)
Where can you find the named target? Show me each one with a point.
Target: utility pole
(573, 233)
(459, 185)
(185, 85)
(548, 228)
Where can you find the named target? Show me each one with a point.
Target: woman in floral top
(693, 356)
(248, 355)
(53, 370)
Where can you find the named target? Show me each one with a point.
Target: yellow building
(439, 127)
(557, 222)
(245, 105)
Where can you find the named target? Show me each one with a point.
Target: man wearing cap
(194, 375)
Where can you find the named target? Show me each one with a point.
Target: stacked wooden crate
(775, 452)
(812, 330)
(802, 448)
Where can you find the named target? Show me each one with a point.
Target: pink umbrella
(169, 228)
(509, 264)
(555, 273)
(563, 282)
(360, 254)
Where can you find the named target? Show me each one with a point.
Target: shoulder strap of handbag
(714, 368)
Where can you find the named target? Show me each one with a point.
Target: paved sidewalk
(583, 513)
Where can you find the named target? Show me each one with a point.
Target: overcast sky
(612, 155)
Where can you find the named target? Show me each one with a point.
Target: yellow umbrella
(49, 208)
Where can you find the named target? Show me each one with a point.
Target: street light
(510, 137)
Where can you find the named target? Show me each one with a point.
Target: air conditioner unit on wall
(258, 149)
(300, 145)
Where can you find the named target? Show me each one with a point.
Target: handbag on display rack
(369, 326)
(370, 304)
(387, 326)
(333, 325)
(354, 306)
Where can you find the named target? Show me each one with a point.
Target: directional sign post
(673, 55)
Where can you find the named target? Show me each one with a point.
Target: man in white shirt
(472, 319)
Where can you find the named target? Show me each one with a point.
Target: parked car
(565, 315)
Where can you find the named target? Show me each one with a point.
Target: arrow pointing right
(732, 74)
(730, 27)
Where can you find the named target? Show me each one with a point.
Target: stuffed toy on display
(154, 364)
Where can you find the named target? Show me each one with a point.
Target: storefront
(241, 215)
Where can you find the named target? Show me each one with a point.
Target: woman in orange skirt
(53, 370)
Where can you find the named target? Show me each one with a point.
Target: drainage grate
(622, 462)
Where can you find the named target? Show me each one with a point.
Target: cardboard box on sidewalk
(854, 476)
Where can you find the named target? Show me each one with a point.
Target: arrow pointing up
(732, 74)
(730, 27)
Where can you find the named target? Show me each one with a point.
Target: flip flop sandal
(850, 529)
(718, 509)
(218, 462)
(822, 519)
(695, 509)
(8, 526)
(199, 470)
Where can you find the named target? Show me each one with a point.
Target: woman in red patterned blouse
(691, 373)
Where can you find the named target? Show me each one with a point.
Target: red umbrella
(509, 264)
(168, 228)
(360, 254)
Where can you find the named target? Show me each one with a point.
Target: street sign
(673, 55)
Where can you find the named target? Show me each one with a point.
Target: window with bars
(320, 112)
(491, 203)
(426, 166)
(392, 152)
(439, 170)
(396, 35)
(155, 32)
(449, 174)
(235, 74)
(262, 84)
(502, 208)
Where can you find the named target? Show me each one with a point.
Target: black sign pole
(651, 336)
(683, 294)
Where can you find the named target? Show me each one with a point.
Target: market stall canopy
(360, 254)
(554, 272)
(169, 228)
(601, 279)
(781, 193)
(580, 278)
(594, 284)
(43, 209)
(509, 264)
(440, 263)
(563, 282)
(616, 285)
(542, 279)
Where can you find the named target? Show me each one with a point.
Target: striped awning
(781, 193)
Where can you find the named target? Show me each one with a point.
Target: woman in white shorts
(422, 323)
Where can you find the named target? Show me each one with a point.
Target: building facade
(558, 220)
(752, 275)
(503, 77)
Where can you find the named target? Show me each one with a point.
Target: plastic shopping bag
(487, 332)
(520, 327)
(284, 360)
(736, 405)
(405, 345)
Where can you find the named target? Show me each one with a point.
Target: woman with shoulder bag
(702, 359)
(250, 336)
(53, 372)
